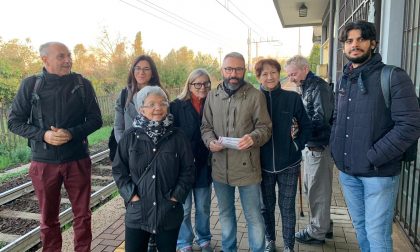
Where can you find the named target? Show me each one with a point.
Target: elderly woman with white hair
(154, 171)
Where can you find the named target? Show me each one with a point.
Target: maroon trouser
(47, 180)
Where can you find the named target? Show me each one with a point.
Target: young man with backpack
(370, 134)
(56, 111)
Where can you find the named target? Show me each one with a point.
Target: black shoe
(271, 246)
(303, 237)
(329, 235)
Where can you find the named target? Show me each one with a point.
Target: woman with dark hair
(143, 72)
(154, 172)
(187, 110)
(281, 156)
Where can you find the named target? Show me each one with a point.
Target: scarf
(154, 129)
(197, 103)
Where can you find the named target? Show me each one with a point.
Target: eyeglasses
(231, 69)
(198, 85)
(156, 105)
(139, 69)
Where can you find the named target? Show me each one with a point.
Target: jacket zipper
(227, 134)
(272, 137)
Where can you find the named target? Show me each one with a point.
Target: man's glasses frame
(236, 69)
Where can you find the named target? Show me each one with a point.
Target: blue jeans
(250, 200)
(202, 199)
(371, 202)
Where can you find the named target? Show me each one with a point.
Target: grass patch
(10, 176)
(100, 135)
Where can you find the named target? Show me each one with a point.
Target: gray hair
(298, 61)
(141, 95)
(234, 55)
(44, 48)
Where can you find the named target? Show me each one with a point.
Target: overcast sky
(201, 25)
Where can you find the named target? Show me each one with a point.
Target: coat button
(153, 176)
(154, 231)
(345, 154)
(154, 149)
(348, 117)
(154, 203)
(349, 99)
(347, 136)
(243, 163)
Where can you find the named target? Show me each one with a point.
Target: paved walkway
(112, 238)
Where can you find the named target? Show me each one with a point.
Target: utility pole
(262, 41)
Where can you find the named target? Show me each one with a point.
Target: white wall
(390, 42)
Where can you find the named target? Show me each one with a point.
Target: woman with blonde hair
(187, 110)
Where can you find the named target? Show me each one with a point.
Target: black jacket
(187, 119)
(62, 107)
(318, 100)
(281, 150)
(368, 139)
(171, 174)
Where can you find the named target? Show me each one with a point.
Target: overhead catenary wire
(184, 27)
(237, 17)
(181, 19)
(249, 19)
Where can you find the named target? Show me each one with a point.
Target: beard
(233, 86)
(360, 59)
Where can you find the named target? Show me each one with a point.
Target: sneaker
(185, 249)
(303, 237)
(287, 249)
(207, 248)
(271, 246)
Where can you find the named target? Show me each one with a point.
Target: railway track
(30, 239)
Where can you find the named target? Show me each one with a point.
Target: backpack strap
(39, 81)
(123, 99)
(80, 86)
(386, 75)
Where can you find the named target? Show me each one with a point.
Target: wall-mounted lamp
(303, 10)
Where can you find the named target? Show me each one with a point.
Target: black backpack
(411, 153)
(112, 143)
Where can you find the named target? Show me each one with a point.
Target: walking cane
(300, 193)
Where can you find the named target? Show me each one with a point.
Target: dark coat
(189, 121)
(281, 150)
(62, 107)
(171, 174)
(367, 138)
(318, 100)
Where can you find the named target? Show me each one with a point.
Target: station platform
(108, 227)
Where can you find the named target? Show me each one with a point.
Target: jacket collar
(53, 77)
(242, 91)
(277, 90)
(374, 62)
